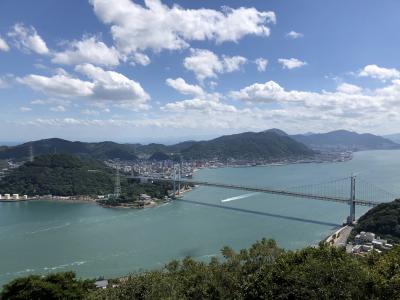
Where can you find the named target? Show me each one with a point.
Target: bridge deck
(263, 190)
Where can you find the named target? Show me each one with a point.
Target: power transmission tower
(31, 157)
(117, 187)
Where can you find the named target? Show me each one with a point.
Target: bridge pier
(352, 216)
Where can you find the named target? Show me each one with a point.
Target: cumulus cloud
(291, 63)
(349, 88)
(184, 88)
(155, 26)
(58, 108)
(3, 45)
(206, 64)
(25, 108)
(141, 59)
(380, 73)
(294, 35)
(202, 101)
(261, 64)
(27, 39)
(59, 85)
(110, 85)
(102, 86)
(88, 50)
(233, 63)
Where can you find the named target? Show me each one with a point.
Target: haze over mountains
(268, 144)
(345, 140)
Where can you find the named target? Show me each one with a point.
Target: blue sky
(141, 71)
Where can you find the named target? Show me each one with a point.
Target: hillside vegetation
(249, 145)
(383, 220)
(270, 144)
(61, 175)
(262, 272)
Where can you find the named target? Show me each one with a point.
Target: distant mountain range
(269, 144)
(345, 140)
(393, 137)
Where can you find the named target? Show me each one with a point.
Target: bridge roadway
(262, 190)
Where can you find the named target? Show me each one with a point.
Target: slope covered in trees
(383, 220)
(61, 175)
(262, 272)
(268, 144)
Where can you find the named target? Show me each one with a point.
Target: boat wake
(50, 228)
(238, 197)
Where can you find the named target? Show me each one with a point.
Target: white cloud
(3, 45)
(27, 39)
(140, 58)
(184, 88)
(349, 88)
(38, 102)
(291, 63)
(25, 108)
(103, 86)
(58, 108)
(155, 26)
(58, 85)
(294, 35)
(261, 64)
(110, 85)
(374, 71)
(206, 64)
(197, 104)
(233, 63)
(88, 50)
(90, 112)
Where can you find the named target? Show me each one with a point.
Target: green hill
(103, 150)
(61, 175)
(269, 144)
(383, 220)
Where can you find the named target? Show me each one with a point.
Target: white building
(15, 196)
(7, 196)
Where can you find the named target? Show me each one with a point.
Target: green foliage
(383, 220)
(132, 190)
(262, 272)
(270, 144)
(61, 175)
(248, 145)
(53, 286)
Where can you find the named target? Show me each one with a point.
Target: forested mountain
(269, 144)
(383, 220)
(61, 175)
(345, 140)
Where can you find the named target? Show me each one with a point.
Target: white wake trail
(238, 197)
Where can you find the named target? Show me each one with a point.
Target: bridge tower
(352, 216)
(117, 187)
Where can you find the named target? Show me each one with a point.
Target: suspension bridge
(350, 190)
